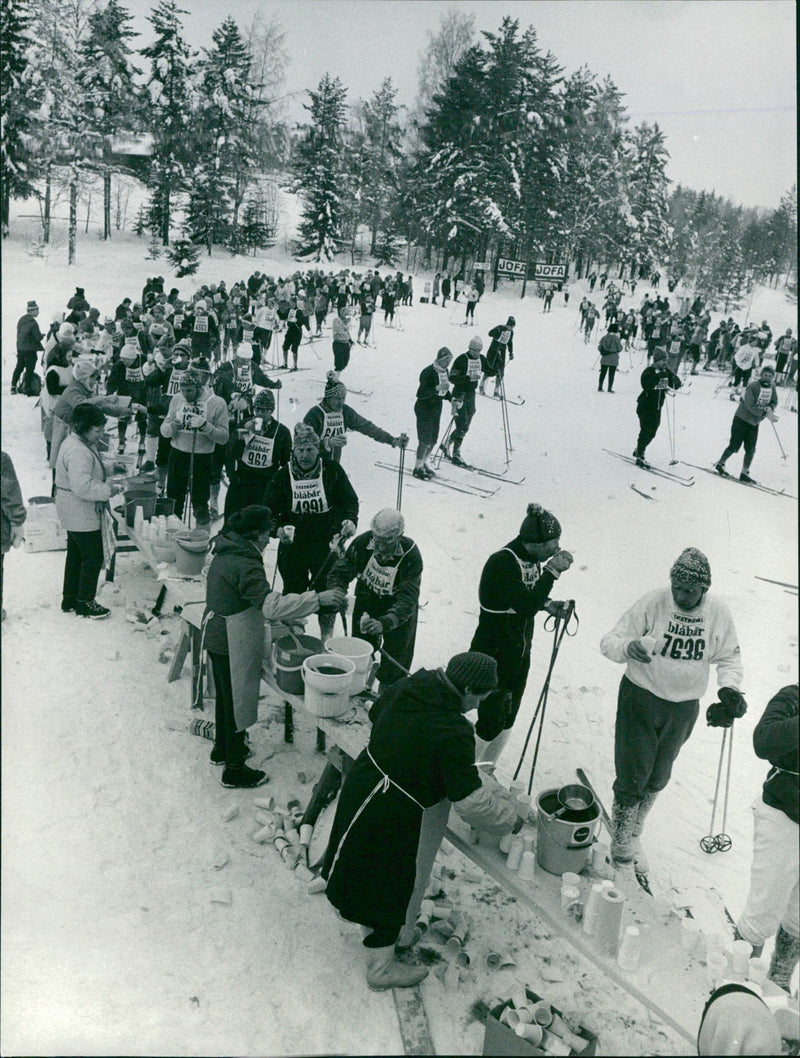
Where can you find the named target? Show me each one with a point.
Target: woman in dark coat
(421, 751)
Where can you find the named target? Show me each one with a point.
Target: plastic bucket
(163, 552)
(359, 651)
(164, 506)
(146, 500)
(327, 679)
(565, 837)
(191, 547)
(288, 655)
(142, 483)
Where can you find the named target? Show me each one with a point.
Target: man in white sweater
(668, 639)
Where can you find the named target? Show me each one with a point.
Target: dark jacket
(13, 507)
(756, 401)
(390, 608)
(655, 381)
(777, 739)
(236, 581)
(463, 385)
(429, 386)
(29, 337)
(341, 500)
(315, 417)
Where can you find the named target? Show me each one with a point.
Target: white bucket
(327, 679)
(359, 651)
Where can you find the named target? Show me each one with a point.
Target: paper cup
(527, 866)
(757, 971)
(716, 968)
(532, 1033)
(571, 878)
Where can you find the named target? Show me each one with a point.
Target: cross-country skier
(465, 373)
(502, 342)
(758, 402)
(656, 381)
(773, 903)
(332, 418)
(434, 389)
(785, 346)
(515, 585)
(669, 639)
(261, 446)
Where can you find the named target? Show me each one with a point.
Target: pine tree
(647, 184)
(107, 76)
(258, 229)
(154, 250)
(183, 256)
(382, 141)
(389, 247)
(170, 108)
(208, 213)
(319, 172)
(19, 98)
(141, 224)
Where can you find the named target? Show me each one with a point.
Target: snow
(113, 829)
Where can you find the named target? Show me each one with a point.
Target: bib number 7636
(683, 649)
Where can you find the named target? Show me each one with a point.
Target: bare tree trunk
(88, 214)
(73, 217)
(107, 203)
(47, 203)
(165, 208)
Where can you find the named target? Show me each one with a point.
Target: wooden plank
(414, 1027)
(181, 651)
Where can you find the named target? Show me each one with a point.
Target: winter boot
(455, 457)
(383, 971)
(162, 480)
(644, 806)
(720, 469)
(213, 505)
(419, 472)
(243, 778)
(623, 820)
(745, 477)
(428, 471)
(784, 958)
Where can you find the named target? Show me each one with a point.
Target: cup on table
(716, 968)
(570, 878)
(757, 971)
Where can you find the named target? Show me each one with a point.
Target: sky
(719, 76)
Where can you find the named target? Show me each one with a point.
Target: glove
(401, 441)
(559, 563)
(717, 716)
(278, 384)
(347, 530)
(733, 701)
(338, 441)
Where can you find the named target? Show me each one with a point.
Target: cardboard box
(43, 530)
(499, 1039)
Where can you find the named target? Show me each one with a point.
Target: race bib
(247, 332)
(192, 409)
(474, 368)
(232, 324)
(133, 374)
(201, 324)
(258, 452)
(379, 579)
(683, 639)
(333, 425)
(243, 379)
(444, 380)
(174, 384)
(764, 396)
(505, 335)
(308, 496)
(177, 320)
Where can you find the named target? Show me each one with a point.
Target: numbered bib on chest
(379, 579)
(684, 638)
(258, 453)
(247, 332)
(192, 409)
(308, 496)
(530, 571)
(764, 397)
(201, 324)
(243, 379)
(444, 380)
(506, 333)
(177, 320)
(474, 370)
(174, 384)
(134, 374)
(333, 425)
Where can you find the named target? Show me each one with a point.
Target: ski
(679, 479)
(518, 402)
(444, 484)
(641, 877)
(735, 480)
(482, 472)
(444, 481)
(780, 583)
(644, 494)
(357, 392)
(289, 370)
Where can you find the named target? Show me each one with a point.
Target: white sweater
(685, 647)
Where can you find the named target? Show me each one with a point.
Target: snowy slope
(112, 823)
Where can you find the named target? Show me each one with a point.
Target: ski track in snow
(112, 823)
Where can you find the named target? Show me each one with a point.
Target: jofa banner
(549, 271)
(514, 269)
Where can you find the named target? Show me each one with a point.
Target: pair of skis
(736, 481)
(447, 483)
(484, 473)
(679, 479)
(518, 402)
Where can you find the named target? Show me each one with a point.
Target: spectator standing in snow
(669, 639)
(785, 347)
(515, 585)
(446, 288)
(656, 381)
(436, 286)
(610, 345)
(502, 343)
(548, 299)
(29, 345)
(12, 515)
(758, 402)
(434, 389)
(773, 902)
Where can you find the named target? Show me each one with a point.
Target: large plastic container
(565, 839)
(191, 548)
(288, 655)
(146, 500)
(359, 651)
(327, 679)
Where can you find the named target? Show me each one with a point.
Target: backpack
(34, 386)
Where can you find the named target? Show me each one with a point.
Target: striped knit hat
(691, 567)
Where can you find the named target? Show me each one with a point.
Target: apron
(246, 643)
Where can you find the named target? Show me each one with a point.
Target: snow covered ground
(113, 941)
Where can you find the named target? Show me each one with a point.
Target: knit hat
(659, 353)
(691, 567)
(305, 434)
(200, 364)
(244, 352)
(476, 344)
(388, 523)
(32, 307)
(511, 322)
(128, 352)
(444, 354)
(539, 525)
(66, 330)
(191, 377)
(82, 370)
(334, 385)
(201, 305)
(250, 520)
(472, 670)
(264, 400)
(80, 291)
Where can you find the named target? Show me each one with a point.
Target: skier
(609, 346)
(332, 418)
(669, 639)
(293, 337)
(515, 585)
(388, 568)
(464, 375)
(471, 297)
(656, 381)
(205, 333)
(758, 402)
(342, 341)
(446, 288)
(421, 752)
(773, 902)
(785, 347)
(367, 307)
(434, 388)
(502, 341)
(260, 448)
(590, 316)
(29, 343)
(744, 359)
(548, 299)
(127, 379)
(314, 506)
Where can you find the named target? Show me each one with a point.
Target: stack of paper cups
(609, 921)
(527, 866)
(515, 855)
(630, 949)
(516, 787)
(590, 911)
(523, 805)
(570, 894)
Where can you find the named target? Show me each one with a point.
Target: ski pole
(723, 841)
(400, 473)
(671, 427)
(187, 503)
(784, 456)
(709, 842)
(442, 449)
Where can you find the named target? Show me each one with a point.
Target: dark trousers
(178, 479)
(649, 422)
(226, 738)
(25, 362)
(341, 355)
(300, 562)
(611, 371)
(320, 318)
(470, 311)
(742, 433)
(741, 375)
(463, 418)
(83, 565)
(141, 423)
(649, 735)
(291, 345)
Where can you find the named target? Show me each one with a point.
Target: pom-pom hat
(539, 525)
(476, 344)
(305, 434)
